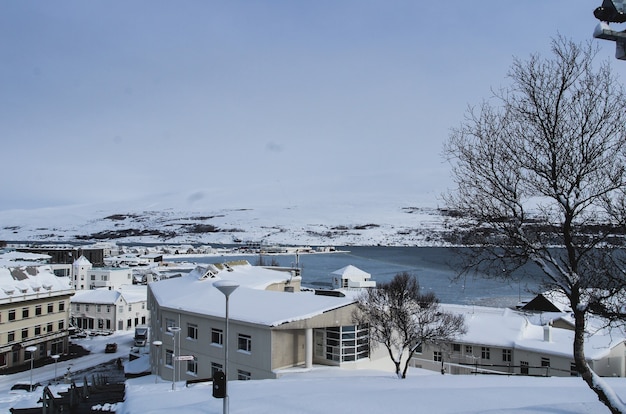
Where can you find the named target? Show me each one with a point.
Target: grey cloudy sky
(108, 100)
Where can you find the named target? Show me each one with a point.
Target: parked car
(110, 348)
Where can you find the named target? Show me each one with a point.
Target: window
(25, 312)
(93, 277)
(169, 357)
(77, 307)
(49, 327)
(437, 356)
(61, 306)
(100, 323)
(130, 307)
(24, 333)
(192, 366)
(98, 308)
(523, 367)
(104, 277)
(485, 353)
(244, 343)
(573, 372)
(456, 347)
(215, 367)
(169, 323)
(86, 308)
(217, 336)
(3, 359)
(192, 331)
(108, 309)
(469, 349)
(38, 330)
(545, 362)
(506, 355)
(38, 310)
(61, 325)
(343, 344)
(243, 375)
(50, 307)
(121, 309)
(12, 314)
(11, 336)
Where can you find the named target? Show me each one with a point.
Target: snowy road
(45, 374)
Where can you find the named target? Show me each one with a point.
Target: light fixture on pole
(56, 358)
(157, 358)
(226, 287)
(31, 350)
(174, 330)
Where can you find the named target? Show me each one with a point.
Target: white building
(273, 325)
(86, 277)
(34, 311)
(521, 343)
(351, 277)
(110, 310)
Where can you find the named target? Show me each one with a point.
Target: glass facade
(342, 343)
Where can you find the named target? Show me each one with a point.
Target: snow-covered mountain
(199, 218)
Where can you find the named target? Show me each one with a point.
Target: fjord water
(434, 267)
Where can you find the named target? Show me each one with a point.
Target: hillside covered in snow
(162, 220)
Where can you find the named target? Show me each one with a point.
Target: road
(45, 374)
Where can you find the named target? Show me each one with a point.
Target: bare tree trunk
(585, 371)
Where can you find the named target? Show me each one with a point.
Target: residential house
(102, 309)
(500, 340)
(87, 276)
(274, 325)
(34, 311)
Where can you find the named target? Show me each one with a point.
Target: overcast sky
(278, 100)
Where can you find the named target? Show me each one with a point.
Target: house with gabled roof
(507, 341)
(274, 325)
(110, 310)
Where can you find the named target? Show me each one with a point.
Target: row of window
(192, 367)
(36, 331)
(244, 342)
(108, 308)
(507, 356)
(37, 311)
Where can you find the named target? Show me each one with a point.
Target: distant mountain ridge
(342, 224)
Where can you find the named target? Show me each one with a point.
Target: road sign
(185, 358)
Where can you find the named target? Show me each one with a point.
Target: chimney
(547, 332)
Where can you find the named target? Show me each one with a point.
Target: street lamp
(174, 330)
(226, 287)
(56, 358)
(31, 350)
(157, 355)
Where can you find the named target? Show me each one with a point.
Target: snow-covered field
(330, 389)
(167, 219)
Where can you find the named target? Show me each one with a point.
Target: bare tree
(401, 318)
(540, 171)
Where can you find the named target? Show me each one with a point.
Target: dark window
(485, 353)
(12, 314)
(506, 355)
(11, 336)
(25, 312)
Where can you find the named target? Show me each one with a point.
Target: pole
(226, 287)
(174, 330)
(31, 350)
(225, 408)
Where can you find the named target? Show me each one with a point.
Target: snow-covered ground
(167, 219)
(330, 389)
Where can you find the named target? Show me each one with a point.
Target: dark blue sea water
(435, 268)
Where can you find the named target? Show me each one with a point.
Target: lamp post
(174, 330)
(157, 356)
(56, 358)
(226, 287)
(31, 350)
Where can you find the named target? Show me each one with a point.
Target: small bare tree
(400, 317)
(542, 175)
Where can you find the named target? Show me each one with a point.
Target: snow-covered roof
(81, 261)
(507, 328)
(351, 271)
(104, 296)
(249, 303)
(31, 280)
